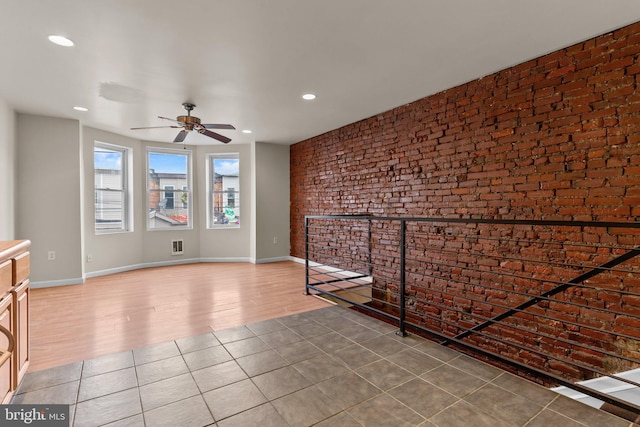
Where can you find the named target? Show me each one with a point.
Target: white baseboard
(268, 260)
(108, 271)
(52, 283)
(241, 259)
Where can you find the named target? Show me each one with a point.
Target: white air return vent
(177, 247)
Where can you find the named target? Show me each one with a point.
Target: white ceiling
(247, 62)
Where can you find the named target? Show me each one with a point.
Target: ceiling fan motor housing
(189, 121)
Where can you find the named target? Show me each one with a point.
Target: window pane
(109, 210)
(168, 163)
(224, 195)
(108, 168)
(168, 190)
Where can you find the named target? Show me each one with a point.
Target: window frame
(210, 168)
(177, 192)
(126, 190)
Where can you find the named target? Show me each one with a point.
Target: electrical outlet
(51, 255)
(275, 240)
(89, 258)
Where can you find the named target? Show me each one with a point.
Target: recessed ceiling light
(60, 40)
(80, 108)
(246, 131)
(308, 96)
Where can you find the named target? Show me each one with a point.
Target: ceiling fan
(189, 123)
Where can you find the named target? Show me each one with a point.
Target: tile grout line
(77, 400)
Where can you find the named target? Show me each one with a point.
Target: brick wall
(555, 137)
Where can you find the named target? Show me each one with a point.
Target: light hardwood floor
(129, 310)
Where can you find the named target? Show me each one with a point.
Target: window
(223, 195)
(111, 184)
(168, 189)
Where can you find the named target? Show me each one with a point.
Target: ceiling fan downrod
(189, 107)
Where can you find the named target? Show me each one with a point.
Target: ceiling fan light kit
(189, 123)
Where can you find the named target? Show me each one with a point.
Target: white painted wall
(252, 237)
(48, 196)
(7, 171)
(272, 201)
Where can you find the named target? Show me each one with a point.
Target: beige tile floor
(328, 367)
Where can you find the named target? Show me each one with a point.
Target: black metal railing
(557, 301)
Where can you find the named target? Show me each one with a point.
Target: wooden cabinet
(20, 301)
(7, 378)
(14, 314)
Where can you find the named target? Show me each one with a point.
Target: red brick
(561, 71)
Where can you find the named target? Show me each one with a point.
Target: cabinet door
(6, 370)
(21, 330)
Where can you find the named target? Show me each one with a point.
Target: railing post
(306, 255)
(402, 332)
(370, 270)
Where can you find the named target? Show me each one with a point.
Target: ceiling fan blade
(156, 127)
(214, 135)
(216, 126)
(180, 136)
(172, 120)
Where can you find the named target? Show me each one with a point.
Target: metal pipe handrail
(568, 322)
(524, 329)
(598, 224)
(400, 268)
(532, 260)
(536, 279)
(560, 288)
(549, 356)
(546, 242)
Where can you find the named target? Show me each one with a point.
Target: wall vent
(177, 247)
